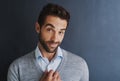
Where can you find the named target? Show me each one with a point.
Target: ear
(37, 27)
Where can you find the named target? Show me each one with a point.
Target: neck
(46, 54)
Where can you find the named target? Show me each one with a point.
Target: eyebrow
(49, 25)
(53, 26)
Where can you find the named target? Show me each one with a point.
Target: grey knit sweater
(26, 68)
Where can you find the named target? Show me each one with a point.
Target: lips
(53, 45)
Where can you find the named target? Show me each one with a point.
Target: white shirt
(44, 62)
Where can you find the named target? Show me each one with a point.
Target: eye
(49, 30)
(62, 32)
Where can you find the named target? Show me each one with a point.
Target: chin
(52, 50)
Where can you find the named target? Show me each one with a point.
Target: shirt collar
(38, 53)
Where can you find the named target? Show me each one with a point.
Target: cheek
(46, 37)
(61, 38)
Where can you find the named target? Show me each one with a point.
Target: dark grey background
(93, 33)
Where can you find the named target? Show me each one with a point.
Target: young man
(49, 62)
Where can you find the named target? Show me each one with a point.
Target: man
(49, 62)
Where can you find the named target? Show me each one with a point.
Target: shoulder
(73, 58)
(22, 60)
(71, 55)
(18, 66)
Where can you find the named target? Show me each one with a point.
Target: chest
(71, 74)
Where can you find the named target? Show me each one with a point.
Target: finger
(43, 76)
(58, 77)
(50, 74)
(45, 73)
(56, 74)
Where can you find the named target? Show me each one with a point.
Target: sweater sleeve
(85, 76)
(12, 73)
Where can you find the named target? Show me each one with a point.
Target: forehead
(56, 22)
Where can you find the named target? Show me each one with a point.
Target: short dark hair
(54, 10)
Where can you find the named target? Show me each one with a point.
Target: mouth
(53, 45)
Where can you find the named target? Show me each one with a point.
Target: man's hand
(50, 76)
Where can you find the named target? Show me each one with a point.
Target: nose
(55, 37)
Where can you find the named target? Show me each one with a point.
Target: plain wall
(93, 33)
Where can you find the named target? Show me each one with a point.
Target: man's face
(52, 33)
